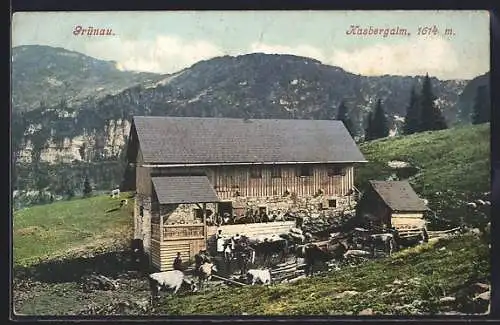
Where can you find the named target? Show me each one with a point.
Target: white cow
(169, 280)
(115, 193)
(258, 275)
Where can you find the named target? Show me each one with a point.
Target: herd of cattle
(255, 257)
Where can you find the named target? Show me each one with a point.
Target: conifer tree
(369, 127)
(343, 115)
(412, 119)
(482, 109)
(431, 117)
(380, 125)
(87, 189)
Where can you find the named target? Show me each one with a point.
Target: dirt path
(69, 298)
(55, 287)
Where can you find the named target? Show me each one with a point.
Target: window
(275, 172)
(304, 171)
(336, 171)
(198, 213)
(332, 203)
(255, 172)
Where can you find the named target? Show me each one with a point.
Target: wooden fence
(433, 234)
(252, 229)
(286, 271)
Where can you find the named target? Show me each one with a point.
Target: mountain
(466, 99)
(82, 132)
(43, 74)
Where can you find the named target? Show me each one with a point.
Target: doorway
(225, 207)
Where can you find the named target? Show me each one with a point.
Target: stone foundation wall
(142, 224)
(294, 204)
(184, 213)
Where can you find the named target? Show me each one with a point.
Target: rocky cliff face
(88, 146)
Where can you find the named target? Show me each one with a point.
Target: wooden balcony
(177, 232)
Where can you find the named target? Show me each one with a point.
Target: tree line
(422, 113)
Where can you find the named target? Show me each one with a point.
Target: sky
(166, 42)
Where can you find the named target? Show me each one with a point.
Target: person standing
(220, 244)
(309, 262)
(178, 262)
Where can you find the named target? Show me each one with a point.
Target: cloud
(435, 56)
(164, 54)
(169, 54)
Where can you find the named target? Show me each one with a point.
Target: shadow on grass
(111, 264)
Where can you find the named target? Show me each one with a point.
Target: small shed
(188, 237)
(393, 204)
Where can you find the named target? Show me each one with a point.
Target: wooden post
(161, 230)
(205, 223)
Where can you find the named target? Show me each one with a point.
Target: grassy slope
(62, 228)
(454, 163)
(426, 274)
(55, 230)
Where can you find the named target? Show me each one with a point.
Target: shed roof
(184, 189)
(399, 195)
(191, 140)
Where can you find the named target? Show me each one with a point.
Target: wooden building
(393, 204)
(184, 169)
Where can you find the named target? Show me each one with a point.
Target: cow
(258, 275)
(386, 240)
(115, 193)
(123, 202)
(170, 280)
(205, 273)
(268, 248)
(313, 254)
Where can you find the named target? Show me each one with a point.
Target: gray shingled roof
(184, 189)
(399, 195)
(185, 140)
